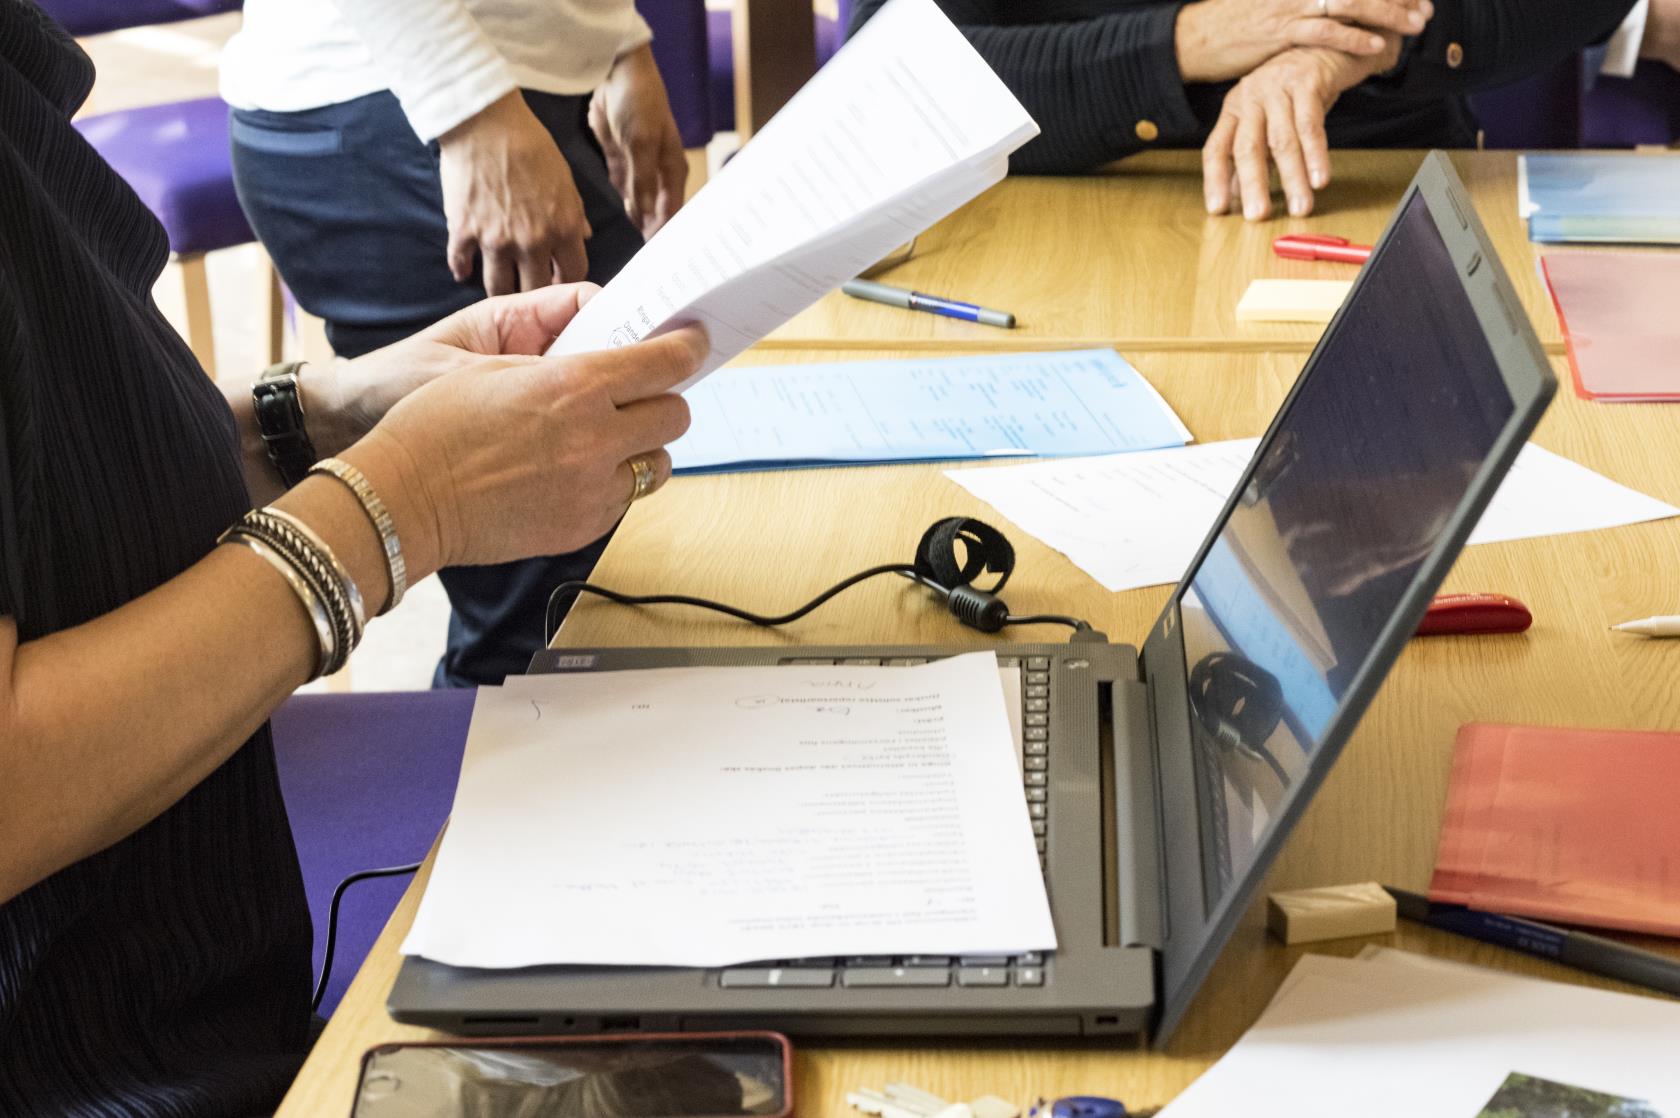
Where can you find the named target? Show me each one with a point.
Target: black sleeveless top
(169, 974)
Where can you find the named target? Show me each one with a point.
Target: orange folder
(1618, 313)
(1573, 826)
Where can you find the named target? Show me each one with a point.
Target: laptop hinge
(1137, 817)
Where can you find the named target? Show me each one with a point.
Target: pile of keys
(900, 1100)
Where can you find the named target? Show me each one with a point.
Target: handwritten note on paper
(904, 125)
(708, 816)
(1089, 401)
(1136, 520)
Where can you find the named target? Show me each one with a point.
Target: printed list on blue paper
(1080, 402)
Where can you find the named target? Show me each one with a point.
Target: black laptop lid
(1407, 415)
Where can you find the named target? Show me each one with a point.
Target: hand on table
(506, 453)
(1221, 40)
(631, 116)
(509, 198)
(1276, 115)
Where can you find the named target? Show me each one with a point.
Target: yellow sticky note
(1282, 300)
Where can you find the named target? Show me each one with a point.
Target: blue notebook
(1608, 199)
(926, 409)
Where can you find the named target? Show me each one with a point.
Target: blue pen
(933, 304)
(1594, 954)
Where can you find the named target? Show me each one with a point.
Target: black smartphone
(632, 1075)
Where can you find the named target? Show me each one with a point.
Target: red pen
(1313, 246)
(1474, 613)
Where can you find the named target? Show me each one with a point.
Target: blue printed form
(1080, 402)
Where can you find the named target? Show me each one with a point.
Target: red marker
(1474, 613)
(1312, 246)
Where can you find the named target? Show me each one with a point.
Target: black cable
(332, 921)
(952, 554)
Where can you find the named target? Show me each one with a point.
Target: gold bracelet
(380, 517)
(326, 647)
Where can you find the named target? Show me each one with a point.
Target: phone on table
(629, 1075)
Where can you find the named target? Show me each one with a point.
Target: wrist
(507, 113)
(332, 393)
(416, 513)
(1192, 46)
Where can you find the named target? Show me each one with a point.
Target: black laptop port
(620, 1024)
(475, 1021)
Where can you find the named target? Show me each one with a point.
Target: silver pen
(933, 304)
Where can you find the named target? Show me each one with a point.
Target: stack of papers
(1625, 198)
(1617, 314)
(709, 816)
(1050, 404)
(1576, 826)
(1397, 1035)
(1136, 520)
(903, 126)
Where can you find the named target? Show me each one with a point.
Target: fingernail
(1297, 205)
(1213, 206)
(1376, 42)
(1317, 176)
(1251, 211)
(1415, 21)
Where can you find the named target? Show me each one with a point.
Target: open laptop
(1161, 786)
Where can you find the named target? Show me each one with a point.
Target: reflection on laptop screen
(1287, 605)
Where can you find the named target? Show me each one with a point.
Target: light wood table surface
(770, 540)
(1130, 258)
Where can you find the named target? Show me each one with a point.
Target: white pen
(1651, 627)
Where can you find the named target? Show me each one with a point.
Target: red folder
(1620, 313)
(1573, 826)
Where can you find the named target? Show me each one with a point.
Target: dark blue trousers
(346, 199)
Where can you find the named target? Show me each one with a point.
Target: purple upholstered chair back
(831, 35)
(368, 780)
(1561, 109)
(681, 49)
(91, 17)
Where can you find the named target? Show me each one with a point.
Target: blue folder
(1607, 199)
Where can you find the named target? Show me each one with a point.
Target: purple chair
(831, 34)
(176, 158)
(1563, 109)
(368, 780)
(680, 49)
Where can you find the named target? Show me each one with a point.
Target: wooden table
(1130, 258)
(767, 540)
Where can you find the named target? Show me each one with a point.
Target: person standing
(402, 159)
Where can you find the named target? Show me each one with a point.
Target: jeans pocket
(301, 138)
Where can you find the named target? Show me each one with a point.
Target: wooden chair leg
(271, 312)
(195, 283)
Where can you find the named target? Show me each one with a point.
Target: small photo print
(1529, 1096)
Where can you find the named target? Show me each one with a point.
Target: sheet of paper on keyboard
(1134, 520)
(925, 409)
(708, 816)
(905, 124)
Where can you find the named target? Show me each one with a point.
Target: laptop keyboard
(1030, 727)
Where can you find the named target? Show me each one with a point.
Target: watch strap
(278, 404)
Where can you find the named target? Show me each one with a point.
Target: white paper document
(1134, 520)
(904, 125)
(708, 816)
(1393, 1035)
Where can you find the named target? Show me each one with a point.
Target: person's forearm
(104, 725)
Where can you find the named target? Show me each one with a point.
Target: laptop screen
(1359, 482)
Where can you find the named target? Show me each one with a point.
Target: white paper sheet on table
(918, 409)
(1134, 520)
(1394, 1036)
(905, 124)
(707, 816)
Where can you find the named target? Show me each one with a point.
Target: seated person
(1260, 82)
(154, 936)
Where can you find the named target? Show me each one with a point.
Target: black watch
(279, 409)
